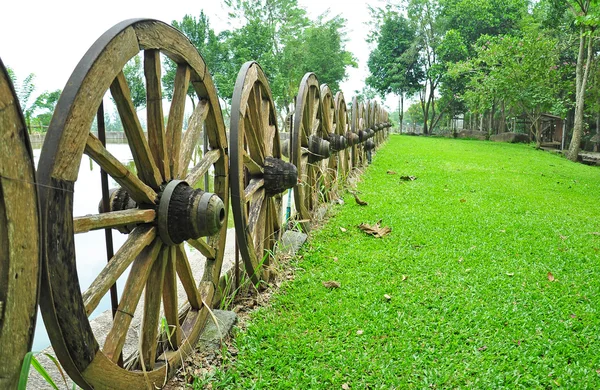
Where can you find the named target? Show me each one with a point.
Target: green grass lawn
(467, 267)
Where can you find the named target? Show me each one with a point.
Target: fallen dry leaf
(562, 237)
(375, 230)
(502, 231)
(391, 172)
(460, 260)
(463, 200)
(510, 274)
(598, 371)
(481, 349)
(344, 230)
(551, 277)
(595, 233)
(408, 178)
(345, 386)
(331, 284)
(335, 259)
(404, 277)
(387, 296)
(573, 316)
(359, 200)
(360, 331)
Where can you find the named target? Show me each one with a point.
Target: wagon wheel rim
(19, 248)
(329, 166)
(357, 128)
(155, 253)
(342, 128)
(307, 122)
(255, 149)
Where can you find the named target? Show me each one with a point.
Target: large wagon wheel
(19, 237)
(308, 148)
(259, 174)
(337, 143)
(342, 128)
(358, 127)
(160, 206)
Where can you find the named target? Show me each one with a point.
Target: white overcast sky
(48, 38)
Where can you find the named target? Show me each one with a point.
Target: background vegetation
(490, 61)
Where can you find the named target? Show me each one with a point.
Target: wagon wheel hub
(338, 142)
(185, 213)
(319, 148)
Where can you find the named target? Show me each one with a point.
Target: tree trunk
(580, 84)
(401, 111)
(503, 117)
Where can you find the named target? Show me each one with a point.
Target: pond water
(90, 247)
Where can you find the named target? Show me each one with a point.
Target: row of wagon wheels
(162, 205)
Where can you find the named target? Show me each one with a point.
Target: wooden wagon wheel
(342, 128)
(308, 148)
(358, 127)
(368, 145)
(160, 206)
(19, 237)
(259, 174)
(337, 143)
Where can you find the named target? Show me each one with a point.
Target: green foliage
(394, 63)
(466, 268)
(134, 74)
(212, 48)
(524, 71)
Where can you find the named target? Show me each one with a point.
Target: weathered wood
(253, 167)
(151, 317)
(203, 247)
(307, 124)
(210, 158)
(279, 176)
(253, 186)
(62, 305)
(184, 271)
(170, 300)
(136, 281)
(176, 113)
(64, 311)
(155, 119)
(255, 210)
(192, 135)
(112, 220)
(138, 191)
(19, 237)
(147, 169)
(139, 239)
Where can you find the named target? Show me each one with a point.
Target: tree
(46, 102)
(424, 13)
(24, 90)
(279, 35)
(587, 16)
(393, 64)
(523, 71)
(213, 49)
(134, 75)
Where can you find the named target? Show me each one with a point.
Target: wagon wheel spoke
(202, 168)
(253, 167)
(192, 135)
(137, 241)
(184, 271)
(253, 186)
(255, 146)
(152, 300)
(136, 282)
(176, 114)
(137, 189)
(203, 247)
(170, 301)
(156, 127)
(147, 169)
(112, 219)
(255, 211)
